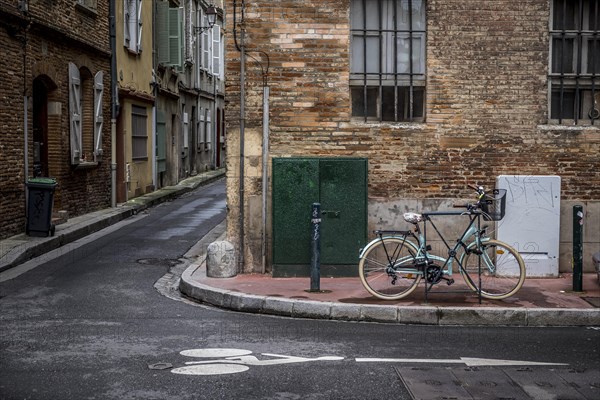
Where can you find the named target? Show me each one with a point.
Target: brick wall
(486, 102)
(56, 36)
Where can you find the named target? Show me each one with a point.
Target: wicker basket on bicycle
(494, 205)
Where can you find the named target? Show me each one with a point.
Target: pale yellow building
(135, 82)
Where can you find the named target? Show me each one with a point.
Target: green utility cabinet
(340, 186)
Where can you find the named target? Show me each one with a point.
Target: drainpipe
(23, 6)
(241, 48)
(114, 105)
(242, 131)
(265, 179)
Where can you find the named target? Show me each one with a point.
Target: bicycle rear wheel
(387, 268)
(502, 270)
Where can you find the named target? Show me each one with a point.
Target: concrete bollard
(220, 260)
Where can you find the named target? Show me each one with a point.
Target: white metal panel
(532, 221)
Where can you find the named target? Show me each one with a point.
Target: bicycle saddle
(413, 218)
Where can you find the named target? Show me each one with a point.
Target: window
(139, 133)
(574, 62)
(85, 115)
(132, 27)
(387, 77)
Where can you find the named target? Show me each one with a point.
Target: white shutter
(186, 130)
(202, 130)
(139, 27)
(98, 117)
(75, 113)
(216, 50)
(126, 17)
(222, 52)
(206, 39)
(209, 132)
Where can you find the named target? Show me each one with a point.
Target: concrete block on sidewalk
(220, 260)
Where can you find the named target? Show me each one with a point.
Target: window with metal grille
(574, 62)
(387, 72)
(139, 133)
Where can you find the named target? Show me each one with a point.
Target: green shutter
(162, 31)
(176, 37)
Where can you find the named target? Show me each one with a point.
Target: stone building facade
(488, 96)
(55, 105)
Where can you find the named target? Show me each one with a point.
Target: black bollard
(315, 260)
(577, 248)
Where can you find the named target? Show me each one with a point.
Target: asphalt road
(91, 324)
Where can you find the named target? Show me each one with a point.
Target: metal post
(315, 261)
(577, 248)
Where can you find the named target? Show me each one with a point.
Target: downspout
(242, 141)
(265, 179)
(154, 104)
(24, 7)
(214, 126)
(241, 49)
(114, 105)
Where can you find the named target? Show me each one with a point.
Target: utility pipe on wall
(114, 104)
(265, 180)
(241, 48)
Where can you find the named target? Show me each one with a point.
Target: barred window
(139, 133)
(387, 77)
(574, 62)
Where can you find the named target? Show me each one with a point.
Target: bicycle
(392, 265)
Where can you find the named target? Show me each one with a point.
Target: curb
(422, 315)
(84, 225)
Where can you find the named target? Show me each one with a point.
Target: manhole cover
(167, 262)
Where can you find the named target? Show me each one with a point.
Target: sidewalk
(21, 248)
(541, 302)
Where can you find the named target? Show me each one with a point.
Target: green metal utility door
(340, 186)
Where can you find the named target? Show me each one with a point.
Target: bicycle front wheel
(502, 269)
(387, 268)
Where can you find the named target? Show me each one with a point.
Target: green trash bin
(39, 208)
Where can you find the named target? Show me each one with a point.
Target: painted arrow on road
(469, 362)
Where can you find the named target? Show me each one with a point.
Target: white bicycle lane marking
(231, 361)
(236, 360)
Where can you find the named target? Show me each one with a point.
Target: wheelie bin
(39, 207)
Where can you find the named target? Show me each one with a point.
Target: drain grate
(160, 262)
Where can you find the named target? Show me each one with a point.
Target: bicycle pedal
(449, 282)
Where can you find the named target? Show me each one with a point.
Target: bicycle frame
(470, 240)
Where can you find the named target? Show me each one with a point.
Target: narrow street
(91, 324)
